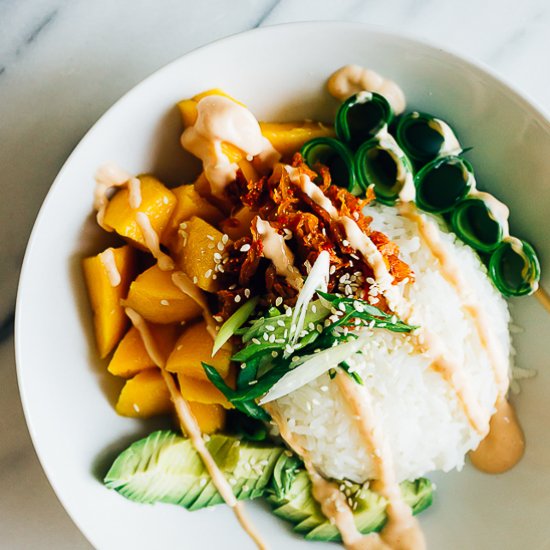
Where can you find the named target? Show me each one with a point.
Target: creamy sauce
(275, 249)
(504, 446)
(451, 272)
(450, 371)
(191, 428)
(182, 281)
(107, 258)
(450, 145)
(151, 239)
(134, 193)
(332, 501)
(221, 120)
(107, 177)
(542, 296)
(402, 531)
(352, 79)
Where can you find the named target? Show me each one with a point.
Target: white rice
(417, 411)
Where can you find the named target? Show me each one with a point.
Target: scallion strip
(236, 321)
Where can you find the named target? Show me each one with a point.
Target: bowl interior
(66, 391)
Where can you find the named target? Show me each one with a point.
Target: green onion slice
(236, 321)
(514, 268)
(337, 157)
(474, 223)
(361, 117)
(382, 163)
(443, 183)
(424, 137)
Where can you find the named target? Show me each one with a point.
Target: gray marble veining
(62, 64)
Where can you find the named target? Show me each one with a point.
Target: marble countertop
(62, 64)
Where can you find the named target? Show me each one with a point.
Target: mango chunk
(201, 249)
(188, 203)
(110, 321)
(238, 225)
(200, 391)
(131, 357)
(210, 418)
(192, 348)
(144, 395)
(288, 137)
(157, 202)
(155, 297)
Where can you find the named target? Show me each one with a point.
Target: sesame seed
(274, 354)
(136, 408)
(252, 382)
(244, 248)
(345, 242)
(220, 246)
(209, 237)
(270, 328)
(280, 323)
(247, 292)
(164, 303)
(237, 298)
(272, 338)
(278, 301)
(206, 437)
(256, 341)
(208, 274)
(195, 279)
(225, 238)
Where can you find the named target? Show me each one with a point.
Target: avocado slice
(164, 467)
(298, 506)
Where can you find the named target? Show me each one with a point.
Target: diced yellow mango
(188, 107)
(200, 391)
(189, 203)
(192, 348)
(288, 137)
(157, 202)
(238, 225)
(155, 297)
(210, 418)
(131, 357)
(110, 321)
(144, 395)
(197, 254)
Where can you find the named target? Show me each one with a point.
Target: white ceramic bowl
(279, 72)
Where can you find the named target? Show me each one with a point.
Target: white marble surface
(62, 64)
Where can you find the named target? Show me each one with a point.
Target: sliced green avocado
(298, 506)
(164, 467)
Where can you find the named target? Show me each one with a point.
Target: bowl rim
(523, 97)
